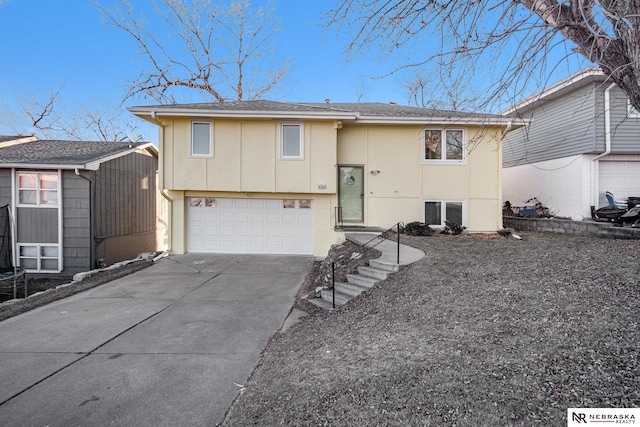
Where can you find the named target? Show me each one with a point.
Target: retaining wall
(565, 226)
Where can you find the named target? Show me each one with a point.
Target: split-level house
(289, 178)
(77, 205)
(583, 140)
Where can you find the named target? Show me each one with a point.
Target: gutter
(595, 162)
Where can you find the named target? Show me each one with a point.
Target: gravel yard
(481, 332)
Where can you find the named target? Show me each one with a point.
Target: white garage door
(621, 178)
(251, 226)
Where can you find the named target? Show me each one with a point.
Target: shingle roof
(355, 111)
(56, 152)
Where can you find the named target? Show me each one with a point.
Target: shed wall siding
(76, 227)
(125, 207)
(5, 186)
(560, 128)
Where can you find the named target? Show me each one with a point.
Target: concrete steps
(367, 277)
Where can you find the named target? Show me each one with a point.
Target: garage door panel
(622, 178)
(250, 226)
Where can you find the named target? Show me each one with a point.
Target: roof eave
(237, 114)
(556, 90)
(475, 121)
(43, 166)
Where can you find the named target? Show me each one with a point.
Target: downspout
(504, 133)
(157, 121)
(170, 216)
(595, 164)
(92, 244)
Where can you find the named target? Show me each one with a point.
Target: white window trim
(631, 110)
(301, 156)
(37, 205)
(443, 211)
(443, 150)
(203, 122)
(39, 257)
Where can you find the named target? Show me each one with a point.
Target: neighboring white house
(583, 139)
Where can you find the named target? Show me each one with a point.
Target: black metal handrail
(381, 238)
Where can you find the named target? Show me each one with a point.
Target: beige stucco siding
(246, 158)
(402, 181)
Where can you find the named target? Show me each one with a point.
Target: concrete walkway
(171, 345)
(388, 248)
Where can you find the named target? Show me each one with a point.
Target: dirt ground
(481, 332)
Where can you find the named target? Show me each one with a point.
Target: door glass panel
(351, 189)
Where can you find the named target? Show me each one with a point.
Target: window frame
(191, 142)
(443, 211)
(443, 145)
(300, 125)
(39, 190)
(40, 257)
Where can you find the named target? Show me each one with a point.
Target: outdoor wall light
(374, 173)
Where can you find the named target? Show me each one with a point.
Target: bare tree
(221, 52)
(53, 121)
(508, 39)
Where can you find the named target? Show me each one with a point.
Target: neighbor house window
(436, 212)
(631, 110)
(440, 144)
(39, 258)
(201, 139)
(38, 189)
(291, 141)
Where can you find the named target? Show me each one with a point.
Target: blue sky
(67, 43)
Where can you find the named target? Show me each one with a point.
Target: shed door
(255, 226)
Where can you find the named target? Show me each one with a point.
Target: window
(201, 139)
(436, 212)
(453, 144)
(291, 141)
(39, 258)
(631, 110)
(38, 189)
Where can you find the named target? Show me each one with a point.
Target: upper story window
(38, 189)
(441, 144)
(201, 139)
(291, 144)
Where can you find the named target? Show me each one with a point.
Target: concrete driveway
(171, 345)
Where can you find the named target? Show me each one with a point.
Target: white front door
(252, 226)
